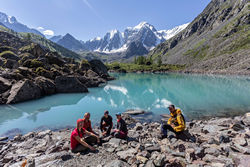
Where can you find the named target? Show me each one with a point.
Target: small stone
(159, 161)
(212, 151)
(237, 126)
(117, 163)
(3, 138)
(141, 159)
(153, 148)
(150, 164)
(66, 157)
(114, 142)
(138, 126)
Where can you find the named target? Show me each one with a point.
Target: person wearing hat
(79, 142)
(176, 122)
(106, 123)
(121, 130)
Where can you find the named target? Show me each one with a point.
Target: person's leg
(79, 148)
(91, 140)
(123, 135)
(108, 130)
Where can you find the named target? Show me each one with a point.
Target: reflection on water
(196, 95)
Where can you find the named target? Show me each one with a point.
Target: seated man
(87, 123)
(121, 130)
(176, 122)
(106, 124)
(78, 142)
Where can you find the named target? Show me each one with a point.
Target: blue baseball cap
(118, 114)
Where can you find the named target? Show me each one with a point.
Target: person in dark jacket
(106, 124)
(121, 130)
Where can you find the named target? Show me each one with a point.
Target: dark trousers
(80, 148)
(106, 128)
(120, 134)
(166, 128)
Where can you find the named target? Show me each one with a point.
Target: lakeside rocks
(216, 143)
(38, 72)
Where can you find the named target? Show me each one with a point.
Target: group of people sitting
(83, 137)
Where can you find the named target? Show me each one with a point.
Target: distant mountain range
(12, 23)
(143, 37)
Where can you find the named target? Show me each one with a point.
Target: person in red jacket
(77, 141)
(87, 123)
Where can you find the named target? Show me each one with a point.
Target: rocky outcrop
(210, 142)
(69, 84)
(22, 91)
(29, 71)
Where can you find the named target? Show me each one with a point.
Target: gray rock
(114, 142)
(150, 164)
(69, 84)
(246, 119)
(31, 163)
(125, 155)
(3, 138)
(138, 126)
(238, 126)
(98, 67)
(4, 85)
(159, 161)
(22, 91)
(46, 85)
(117, 163)
(212, 151)
(134, 112)
(153, 148)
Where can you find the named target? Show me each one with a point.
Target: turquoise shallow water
(197, 95)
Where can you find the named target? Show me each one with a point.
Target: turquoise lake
(198, 96)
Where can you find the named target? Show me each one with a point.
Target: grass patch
(131, 67)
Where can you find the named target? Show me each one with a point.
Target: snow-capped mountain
(143, 37)
(115, 41)
(12, 23)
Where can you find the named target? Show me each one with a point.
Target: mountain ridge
(216, 41)
(12, 23)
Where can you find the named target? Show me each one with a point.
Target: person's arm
(169, 121)
(90, 127)
(92, 134)
(101, 124)
(181, 123)
(82, 142)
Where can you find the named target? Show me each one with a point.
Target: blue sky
(86, 19)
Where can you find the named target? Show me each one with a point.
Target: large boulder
(22, 91)
(98, 67)
(69, 84)
(54, 58)
(4, 85)
(9, 55)
(46, 85)
(34, 49)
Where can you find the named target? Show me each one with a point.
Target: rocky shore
(218, 142)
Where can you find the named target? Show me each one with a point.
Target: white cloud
(48, 32)
(40, 28)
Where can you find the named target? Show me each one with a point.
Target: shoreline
(219, 142)
(16, 131)
(211, 73)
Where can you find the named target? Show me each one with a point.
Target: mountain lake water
(198, 96)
